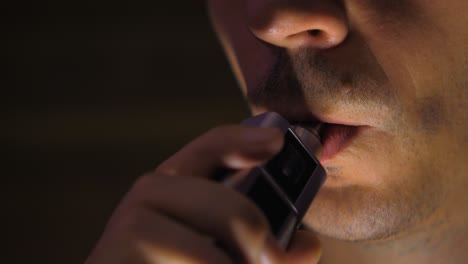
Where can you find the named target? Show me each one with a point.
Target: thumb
(304, 248)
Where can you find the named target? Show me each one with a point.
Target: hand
(175, 214)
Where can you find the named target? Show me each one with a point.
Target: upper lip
(311, 119)
(315, 121)
(319, 126)
(319, 129)
(336, 120)
(316, 124)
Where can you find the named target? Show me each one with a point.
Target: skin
(394, 194)
(395, 68)
(170, 216)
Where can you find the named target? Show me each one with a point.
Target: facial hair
(305, 80)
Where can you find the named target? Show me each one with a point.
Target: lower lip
(335, 138)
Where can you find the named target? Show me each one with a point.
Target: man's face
(390, 80)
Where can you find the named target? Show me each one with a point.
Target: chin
(356, 213)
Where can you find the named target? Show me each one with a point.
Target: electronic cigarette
(284, 187)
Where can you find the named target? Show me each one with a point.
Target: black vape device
(284, 187)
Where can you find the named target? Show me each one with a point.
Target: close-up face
(388, 80)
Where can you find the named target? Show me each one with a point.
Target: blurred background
(93, 95)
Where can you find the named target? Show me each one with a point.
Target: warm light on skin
(407, 172)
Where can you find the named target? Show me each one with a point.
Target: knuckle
(165, 168)
(142, 183)
(131, 220)
(146, 188)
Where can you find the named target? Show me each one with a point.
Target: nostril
(323, 38)
(314, 32)
(298, 23)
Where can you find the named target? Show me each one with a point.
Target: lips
(334, 138)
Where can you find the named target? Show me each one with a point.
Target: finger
(304, 248)
(207, 207)
(160, 239)
(232, 147)
(273, 254)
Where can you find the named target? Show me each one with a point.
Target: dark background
(93, 95)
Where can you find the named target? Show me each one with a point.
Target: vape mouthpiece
(284, 187)
(309, 137)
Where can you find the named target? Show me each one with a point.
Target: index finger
(232, 147)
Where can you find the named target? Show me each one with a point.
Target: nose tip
(294, 23)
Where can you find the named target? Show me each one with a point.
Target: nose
(291, 24)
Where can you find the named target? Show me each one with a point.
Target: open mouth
(333, 137)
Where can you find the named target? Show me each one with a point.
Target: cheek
(249, 58)
(372, 160)
(418, 43)
(380, 159)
